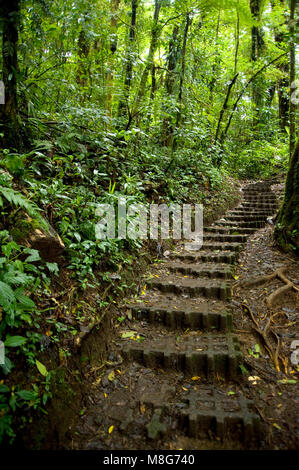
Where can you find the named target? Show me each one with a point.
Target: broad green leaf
(7, 296)
(14, 341)
(42, 369)
(26, 395)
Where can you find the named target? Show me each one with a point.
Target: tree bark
(123, 106)
(257, 44)
(182, 77)
(114, 5)
(150, 58)
(292, 78)
(9, 112)
(287, 225)
(170, 80)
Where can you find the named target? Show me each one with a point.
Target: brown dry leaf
(142, 409)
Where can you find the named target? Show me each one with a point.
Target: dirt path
(174, 379)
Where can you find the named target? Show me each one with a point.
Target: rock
(155, 428)
(42, 237)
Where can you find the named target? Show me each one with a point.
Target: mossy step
(246, 218)
(259, 205)
(204, 317)
(229, 230)
(223, 246)
(225, 237)
(251, 212)
(211, 270)
(206, 355)
(193, 287)
(246, 223)
(260, 198)
(211, 413)
(208, 256)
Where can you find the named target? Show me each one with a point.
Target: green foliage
(18, 312)
(94, 129)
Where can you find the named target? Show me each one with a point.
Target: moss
(287, 227)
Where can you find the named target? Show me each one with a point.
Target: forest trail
(170, 377)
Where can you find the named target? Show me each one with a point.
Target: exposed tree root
(264, 334)
(272, 298)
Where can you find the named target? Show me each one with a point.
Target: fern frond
(16, 198)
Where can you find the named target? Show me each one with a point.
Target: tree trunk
(257, 44)
(9, 112)
(114, 5)
(287, 225)
(150, 58)
(292, 78)
(182, 77)
(123, 106)
(82, 68)
(168, 125)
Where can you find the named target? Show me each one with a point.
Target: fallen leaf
(128, 334)
(142, 409)
(110, 429)
(111, 376)
(195, 377)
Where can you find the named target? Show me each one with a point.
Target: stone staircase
(194, 293)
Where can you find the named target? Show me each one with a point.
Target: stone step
(229, 230)
(193, 287)
(258, 205)
(260, 186)
(270, 199)
(208, 256)
(185, 314)
(210, 413)
(205, 355)
(238, 224)
(225, 237)
(223, 246)
(252, 212)
(210, 270)
(246, 218)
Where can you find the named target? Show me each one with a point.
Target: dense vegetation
(154, 100)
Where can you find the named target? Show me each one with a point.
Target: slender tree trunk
(150, 58)
(114, 6)
(170, 80)
(82, 68)
(216, 61)
(9, 112)
(123, 106)
(292, 79)
(182, 77)
(282, 83)
(224, 107)
(237, 42)
(257, 44)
